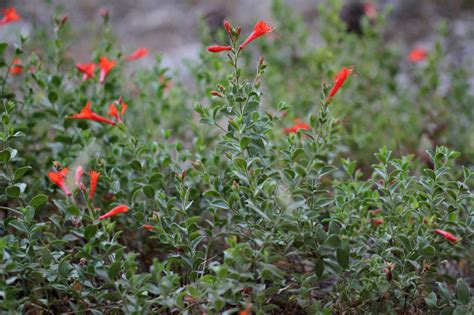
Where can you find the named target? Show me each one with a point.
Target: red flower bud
(117, 210)
(218, 48)
(215, 93)
(339, 80)
(450, 237)
(417, 55)
(377, 221)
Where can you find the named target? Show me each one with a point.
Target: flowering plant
(232, 210)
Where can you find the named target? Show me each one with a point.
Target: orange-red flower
(117, 210)
(105, 66)
(148, 227)
(59, 179)
(260, 29)
(87, 69)
(94, 177)
(137, 54)
(297, 126)
(113, 111)
(377, 221)
(16, 67)
(417, 55)
(447, 235)
(88, 114)
(218, 48)
(9, 16)
(339, 80)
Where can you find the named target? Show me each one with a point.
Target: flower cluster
(260, 29)
(87, 114)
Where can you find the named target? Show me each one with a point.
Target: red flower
(377, 221)
(105, 66)
(297, 126)
(10, 16)
(16, 67)
(113, 111)
(117, 210)
(339, 80)
(215, 93)
(228, 28)
(217, 48)
(137, 54)
(417, 54)
(94, 177)
(87, 69)
(260, 29)
(148, 227)
(88, 114)
(447, 235)
(78, 175)
(58, 178)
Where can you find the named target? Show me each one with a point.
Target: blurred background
(171, 26)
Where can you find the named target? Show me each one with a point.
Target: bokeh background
(171, 27)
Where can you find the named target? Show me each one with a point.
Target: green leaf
(74, 210)
(13, 192)
(19, 172)
(333, 241)
(3, 46)
(462, 291)
(114, 269)
(431, 300)
(319, 268)
(53, 96)
(90, 231)
(342, 257)
(38, 200)
(149, 191)
(5, 156)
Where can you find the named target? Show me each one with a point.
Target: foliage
(226, 212)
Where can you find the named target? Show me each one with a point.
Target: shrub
(117, 200)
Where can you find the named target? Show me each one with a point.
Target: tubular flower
(217, 48)
(113, 111)
(94, 177)
(87, 69)
(88, 114)
(137, 54)
(377, 221)
(260, 29)
(339, 80)
(148, 227)
(16, 67)
(417, 55)
(297, 126)
(59, 178)
(117, 210)
(9, 16)
(447, 235)
(228, 28)
(105, 66)
(78, 175)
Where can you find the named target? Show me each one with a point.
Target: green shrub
(219, 210)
